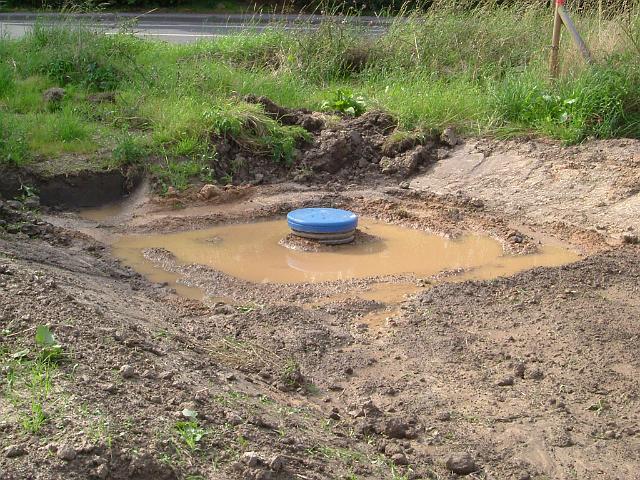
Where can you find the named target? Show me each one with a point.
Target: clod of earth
(505, 381)
(13, 451)
(251, 459)
(277, 463)
(630, 238)
(461, 463)
(127, 371)
(66, 452)
(399, 459)
(209, 191)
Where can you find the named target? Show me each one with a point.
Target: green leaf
(189, 413)
(44, 336)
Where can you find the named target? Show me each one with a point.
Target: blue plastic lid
(322, 220)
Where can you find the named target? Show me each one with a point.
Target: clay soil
(534, 376)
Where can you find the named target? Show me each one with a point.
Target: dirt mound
(310, 121)
(363, 145)
(354, 147)
(595, 184)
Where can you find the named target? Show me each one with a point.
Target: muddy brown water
(103, 213)
(252, 252)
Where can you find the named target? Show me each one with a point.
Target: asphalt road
(181, 28)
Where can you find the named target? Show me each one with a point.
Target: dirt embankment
(534, 376)
(366, 149)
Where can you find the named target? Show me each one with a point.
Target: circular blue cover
(322, 220)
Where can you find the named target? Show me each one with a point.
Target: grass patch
(14, 148)
(29, 379)
(178, 175)
(483, 71)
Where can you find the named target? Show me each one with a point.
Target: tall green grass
(14, 149)
(483, 71)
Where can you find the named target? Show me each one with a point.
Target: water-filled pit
(253, 252)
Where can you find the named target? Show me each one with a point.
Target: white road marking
(151, 34)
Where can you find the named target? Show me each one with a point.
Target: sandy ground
(534, 376)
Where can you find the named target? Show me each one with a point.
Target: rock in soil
(127, 371)
(277, 463)
(66, 452)
(461, 463)
(209, 191)
(505, 382)
(450, 137)
(251, 459)
(13, 451)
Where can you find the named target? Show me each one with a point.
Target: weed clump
(344, 101)
(130, 150)
(189, 431)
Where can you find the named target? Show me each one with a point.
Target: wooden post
(566, 19)
(554, 64)
(562, 17)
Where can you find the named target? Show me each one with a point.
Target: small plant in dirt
(345, 101)
(40, 385)
(28, 377)
(291, 375)
(282, 142)
(599, 407)
(190, 431)
(27, 192)
(50, 350)
(248, 308)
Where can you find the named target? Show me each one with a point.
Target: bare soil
(534, 376)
